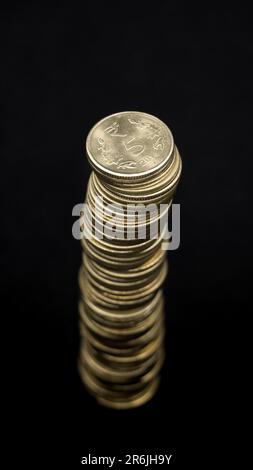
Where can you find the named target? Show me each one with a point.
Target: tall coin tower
(136, 169)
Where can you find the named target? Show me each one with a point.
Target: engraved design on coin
(153, 133)
(129, 143)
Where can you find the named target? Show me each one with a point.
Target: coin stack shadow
(121, 302)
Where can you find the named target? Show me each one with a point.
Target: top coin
(130, 145)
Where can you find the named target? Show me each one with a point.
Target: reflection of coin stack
(135, 162)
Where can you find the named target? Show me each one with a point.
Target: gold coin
(129, 145)
(116, 341)
(134, 402)
(118, 396)
(144, 270)
(132, 315)
(136, 293)
(112, 374)
(119, 284)
(114, 331)
(87, 290)
(127, 351)
(117, 331)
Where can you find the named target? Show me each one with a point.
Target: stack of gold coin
(136, 169)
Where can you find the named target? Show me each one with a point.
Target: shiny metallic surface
(129, 145)
(121, 306)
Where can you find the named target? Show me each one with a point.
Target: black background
(64, 67)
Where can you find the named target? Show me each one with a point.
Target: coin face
(129, 145)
